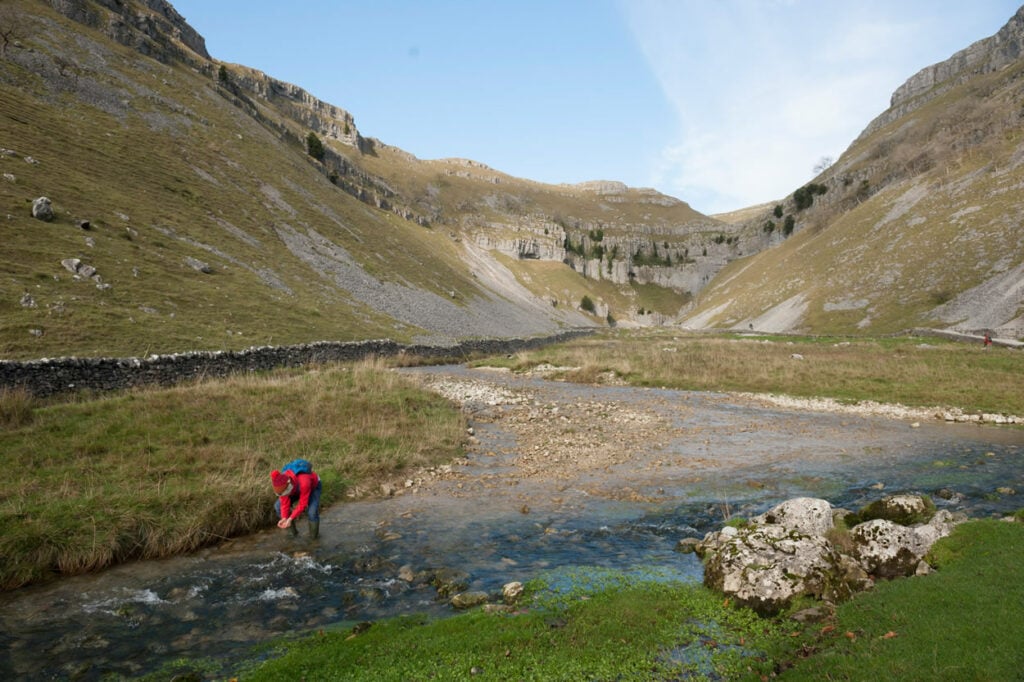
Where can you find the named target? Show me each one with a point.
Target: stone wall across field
(48, 377)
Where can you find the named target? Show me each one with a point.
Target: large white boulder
(788, 552)
(807, 515)
(766, 566)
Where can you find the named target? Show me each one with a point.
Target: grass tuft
(16, 408)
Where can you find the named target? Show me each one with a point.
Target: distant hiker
(298, 490)
(988, 340)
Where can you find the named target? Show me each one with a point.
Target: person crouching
(297, 493)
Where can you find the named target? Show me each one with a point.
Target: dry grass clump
(16, 408)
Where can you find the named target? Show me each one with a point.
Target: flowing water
(486, 525)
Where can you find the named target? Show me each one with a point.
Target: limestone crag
(324, 119)
(537, 248)
(686, 263)
(151, 27)
(984, 56)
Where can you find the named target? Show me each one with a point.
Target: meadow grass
(649, 631)
(157, 472)
(905, 370)
(960, 623)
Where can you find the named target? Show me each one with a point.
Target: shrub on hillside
(314, 147)
(804, 196)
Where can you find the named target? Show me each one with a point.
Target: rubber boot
(293, 530)
(314, 530)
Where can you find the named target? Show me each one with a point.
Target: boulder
(42, 209)
(467, 600)
(889, 550)
(792, 550)
(807, 515)
(511, 592)
(79, 269)
(884, 548)
(765, 567)
(904, 509)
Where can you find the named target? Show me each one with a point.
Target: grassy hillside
(168, 173)
(211, 224)
(918, 224)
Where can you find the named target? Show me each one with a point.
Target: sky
(721, 103)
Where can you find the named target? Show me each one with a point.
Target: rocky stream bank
(558, 479)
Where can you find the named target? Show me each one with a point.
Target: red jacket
(302, 487)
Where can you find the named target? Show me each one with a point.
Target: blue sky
(721, 103)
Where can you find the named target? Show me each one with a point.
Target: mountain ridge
(362, 240)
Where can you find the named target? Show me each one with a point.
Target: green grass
(960, 623)
(157, 472)
(630, 632)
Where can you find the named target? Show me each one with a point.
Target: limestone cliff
(152, 27)
(984, 56)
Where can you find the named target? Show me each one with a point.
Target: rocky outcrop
(795, 550)
(686, 262)
(323, 118)
(984, 56)
(151, 27)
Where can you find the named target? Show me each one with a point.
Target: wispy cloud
(763, 90)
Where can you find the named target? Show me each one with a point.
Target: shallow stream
(708, 456)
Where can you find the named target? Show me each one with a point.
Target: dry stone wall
(49, 377)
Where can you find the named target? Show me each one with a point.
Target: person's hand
(284, 523)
